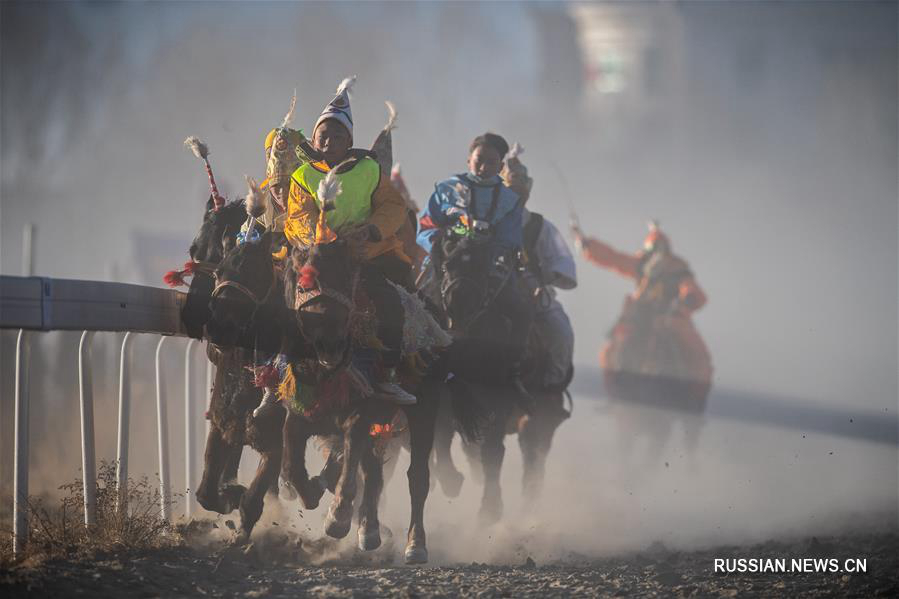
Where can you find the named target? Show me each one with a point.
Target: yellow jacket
(388, 214)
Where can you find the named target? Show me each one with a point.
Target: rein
(307, 296)
(222, 285)
(448, 284)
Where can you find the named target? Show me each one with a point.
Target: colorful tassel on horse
(287, 389)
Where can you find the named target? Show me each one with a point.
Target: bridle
(448, 284)
(244, 290)
(305, 297)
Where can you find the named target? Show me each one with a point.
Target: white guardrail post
(30, 304)
(189, 449)
(88, 459)
(162, 428)
(210, 374)
(20, 476)
(124, 423)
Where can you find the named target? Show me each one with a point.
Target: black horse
(466, 278)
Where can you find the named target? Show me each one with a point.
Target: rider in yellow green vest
(366, 200)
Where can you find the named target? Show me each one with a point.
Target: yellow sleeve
(388, 210)
(302, 214)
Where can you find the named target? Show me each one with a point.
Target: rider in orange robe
(654, 336)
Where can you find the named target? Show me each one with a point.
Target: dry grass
(59, 531)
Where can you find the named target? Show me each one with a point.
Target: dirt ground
(279, 566)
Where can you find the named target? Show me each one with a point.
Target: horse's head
(326, 276)
(468, 278)
(217, 234)
(244, 281)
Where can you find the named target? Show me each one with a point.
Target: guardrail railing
(42, 304)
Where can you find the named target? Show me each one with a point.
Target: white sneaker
(395, 393)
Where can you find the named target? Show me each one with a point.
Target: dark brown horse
(341, 404)
(234, 396)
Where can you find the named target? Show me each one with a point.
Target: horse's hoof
(369, 539)
(231, 497)
(240, 538)
(336, 529)
(287, 492)
(415, 554)
(451, 484)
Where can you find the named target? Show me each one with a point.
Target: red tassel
(308, 277)
(188, 268)
(174, 278)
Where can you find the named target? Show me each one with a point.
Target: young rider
(368, 201)
(492, 206)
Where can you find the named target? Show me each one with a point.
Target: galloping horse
(252, 298)
(234, 396)
(466, 279)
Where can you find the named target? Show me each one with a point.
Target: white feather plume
(196, 146)
(328, 189)
(256, 201)
(653, 225)
(391, 119)
(288, 118)
(346, 85)
(515, 151)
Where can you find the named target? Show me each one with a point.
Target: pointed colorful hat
(339, 108)
(281, 157)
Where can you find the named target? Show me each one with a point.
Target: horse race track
(235, 572)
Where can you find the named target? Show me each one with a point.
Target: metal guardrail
(42, 304)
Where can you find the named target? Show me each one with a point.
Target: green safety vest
(353, 203)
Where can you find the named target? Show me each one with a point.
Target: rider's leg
(389, 312)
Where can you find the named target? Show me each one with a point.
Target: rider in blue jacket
(494, 209)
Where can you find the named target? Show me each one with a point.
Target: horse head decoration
(245, 279)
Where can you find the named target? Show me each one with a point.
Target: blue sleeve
(431, 219)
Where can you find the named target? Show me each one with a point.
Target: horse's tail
(469, 414)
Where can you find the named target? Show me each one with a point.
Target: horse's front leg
(444, 430)
(372, 484)
(216, 460)
(421, 418)
(356, 442)
(251, 503)
(493, 451)
(535, 437)
(297, 431)
(270, 445)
